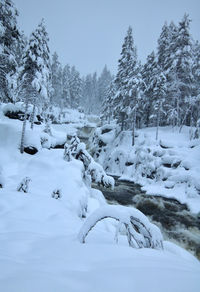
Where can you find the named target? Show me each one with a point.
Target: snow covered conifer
(67, 153)
(56, 75)
(159, 95)
(66, 86)
(9, 37)
(47, 128)
(182, 79)
(127, 82)
(149, 72)
(108, 104)
(92, 170)
(75, 88)
(42, 78)
(103, 84)
(35, 73)
(89, 99)
(195, 111)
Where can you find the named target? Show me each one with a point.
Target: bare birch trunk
(133, 130)
(157, 123)
(178, 112)
(33, 116)
(24, 127)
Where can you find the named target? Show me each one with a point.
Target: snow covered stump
(140, 232)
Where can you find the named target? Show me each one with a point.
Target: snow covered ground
(39, 247)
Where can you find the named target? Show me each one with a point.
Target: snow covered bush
(101, 140)
(47, 128)
(24, 185)
(116, 160)
(139, 231)
(45, 140)
(92, 169)
(67, 153)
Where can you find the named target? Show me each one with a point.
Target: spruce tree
(163, 46)
(75, 88)
(127, 83)
(42, 80)
(108, 104)
(159, 96)
(35, 72)
(9, 38)
(149, 72)
(89, 99)
(66, 86)
(181, 70)
(56, 76)
(195, 111)
(103, 84)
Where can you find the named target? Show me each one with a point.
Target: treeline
(29, 73)
(163, 91)
(71, 90)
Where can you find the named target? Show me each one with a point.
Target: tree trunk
(24, 127)
(178, 112)
(133, 130)
(184, 119)
(157, 123)
(122, 124)
(33, 116)
(109, 115)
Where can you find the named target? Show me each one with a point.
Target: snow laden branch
(92, 170)
(140, 232)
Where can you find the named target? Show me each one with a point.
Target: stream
(173, 218)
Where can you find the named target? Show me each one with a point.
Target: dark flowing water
(173, 218)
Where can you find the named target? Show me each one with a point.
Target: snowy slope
(39, 249)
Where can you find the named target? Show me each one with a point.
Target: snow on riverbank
(169, 167)
(39, 248)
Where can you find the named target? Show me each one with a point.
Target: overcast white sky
(90, 33)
